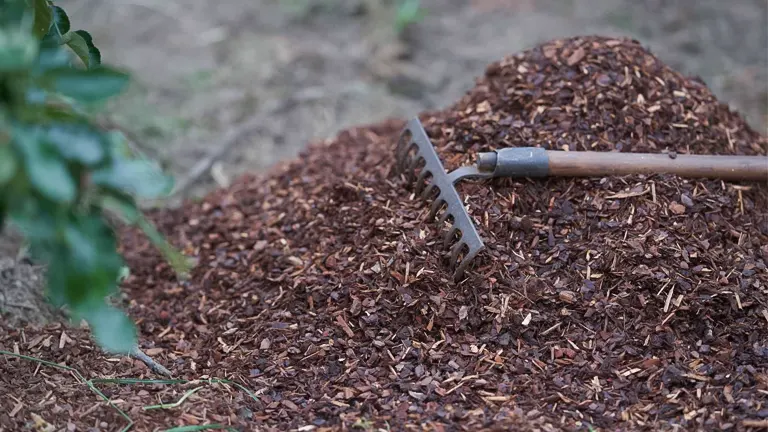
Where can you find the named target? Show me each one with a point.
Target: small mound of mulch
(618, 303)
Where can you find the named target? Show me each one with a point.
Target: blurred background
(262, 78)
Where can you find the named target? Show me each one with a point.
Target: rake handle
(538, 162)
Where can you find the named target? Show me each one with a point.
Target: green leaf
(51, 178)
(84, 265)
(17, 49)
(408, 12)
(43, 17)
(87, 85)
(94, 55)
(47, 172)
(81, 43)
(180, 263)
(77, 142)
(83, 246)
(119, 148)
(127, 210)
(8, 165)
(80, 47)
(60, 21)
(34, 220)
(15, 12)
(51, 57)
(93, 247)
(139, 177)
(122, 206)
(63, 114)
(111, 328)
(130, 214)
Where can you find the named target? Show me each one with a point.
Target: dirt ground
(273, 75)
(298, 70)
(322, 301)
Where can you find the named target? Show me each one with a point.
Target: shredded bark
(616, 303)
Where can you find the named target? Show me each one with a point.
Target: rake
(417, 161)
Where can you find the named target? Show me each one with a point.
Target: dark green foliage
(81, 43)
(60, 174)
(43, 14)
(60, 21)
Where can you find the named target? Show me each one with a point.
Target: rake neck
(468, 172)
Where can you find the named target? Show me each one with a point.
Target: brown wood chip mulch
(632, 303)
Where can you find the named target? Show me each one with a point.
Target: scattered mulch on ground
(621, 303)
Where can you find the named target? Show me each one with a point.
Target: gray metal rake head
(417, 160)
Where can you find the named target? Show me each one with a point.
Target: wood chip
(322, 289)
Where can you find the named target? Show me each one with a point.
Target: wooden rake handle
(538, 162)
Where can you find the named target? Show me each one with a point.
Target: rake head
(417, 160)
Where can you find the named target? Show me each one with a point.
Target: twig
(234, 135)
(154, 366)
(229, 140)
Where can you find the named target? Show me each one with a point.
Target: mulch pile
(622, 303)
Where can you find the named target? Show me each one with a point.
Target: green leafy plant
(62, 177)
(408, 12)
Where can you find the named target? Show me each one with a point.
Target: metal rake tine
(449, 236)
(428, 191)
(399, 150)
(446, 214)
(421, 181)
(465, 262)
(403, 161)
(455, 250)
(402, 153)
(414, 162)
(436, 206)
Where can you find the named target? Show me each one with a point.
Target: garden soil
(322, 301)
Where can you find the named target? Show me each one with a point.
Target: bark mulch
(620, 303)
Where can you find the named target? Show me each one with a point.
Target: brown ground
(299, 73)
(299, 70)
(632, 303)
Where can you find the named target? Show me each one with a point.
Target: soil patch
(204, 68)
(620, 303)
(22, 293)
(22, 284)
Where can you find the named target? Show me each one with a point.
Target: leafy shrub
(408, 13)
(61, 176)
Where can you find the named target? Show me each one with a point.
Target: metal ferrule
(515, 162)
